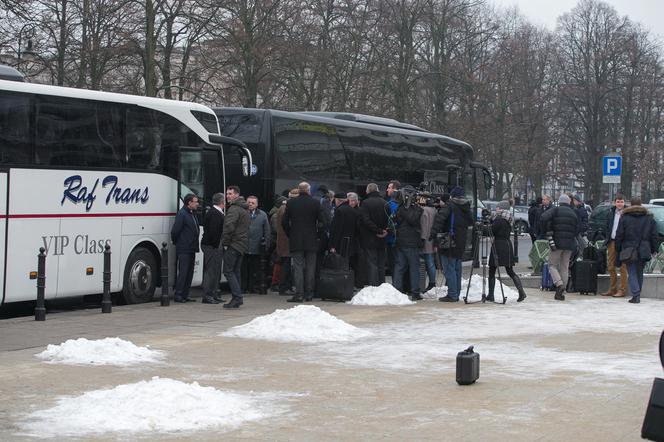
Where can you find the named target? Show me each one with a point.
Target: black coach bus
(344, 152)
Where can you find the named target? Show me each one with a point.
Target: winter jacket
(534, 213)
(563, 221)
(409, 228)
(300, 222)
(463, 219)
(213, 227)
(373, 219)
(501, 230)
(283, 249)
(582, 213)
(637, 228)
(185, 232)
(259, 232)
(426, 223)
(390, 239)
(541, 227)
(236, 226)
(344, 224)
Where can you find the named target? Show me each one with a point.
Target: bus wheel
(140, 277)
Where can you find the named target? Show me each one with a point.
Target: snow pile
(475, 293)
(108, 351)
(304, 323)
(385, 294)
(158, 405)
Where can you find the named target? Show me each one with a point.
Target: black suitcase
(336, 280)
(335, 284)
(585, 277)
(467, 366)
(653, 422)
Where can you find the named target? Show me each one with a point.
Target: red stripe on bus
(85, 215)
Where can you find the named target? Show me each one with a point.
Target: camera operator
(428, 251)
(454, 219)
(408, 243)
(501, 227)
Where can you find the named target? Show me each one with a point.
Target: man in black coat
(636, 237)
(300, 222)
(372, 230)
(454, 218)
(547, 204)
(562, 226)
(408, 243)
(213, 226)
(184, 234)
(344, 224)
(534, 213)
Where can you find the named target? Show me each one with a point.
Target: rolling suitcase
(336, 281)
(547, 281)
(467, 366)
(585, 277)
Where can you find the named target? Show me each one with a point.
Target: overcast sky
(649, 13)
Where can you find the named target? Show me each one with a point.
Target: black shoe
(294, 299)
(308, 298)
(490, 298)
(286, 293)
(635, 300)
(235, 302)
(522, 296)
(209, 300)
(416, 297)
(559, 293)
(178, 299)
(447, 299)
(219, 298)
(189, 300)
(429, 287)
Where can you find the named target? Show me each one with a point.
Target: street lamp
(29, 51)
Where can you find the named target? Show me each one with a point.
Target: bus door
(3, 231)
(200, 173)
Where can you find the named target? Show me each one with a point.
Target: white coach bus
(81, 169)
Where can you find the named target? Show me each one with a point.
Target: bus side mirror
(248, 167)
(488, 181)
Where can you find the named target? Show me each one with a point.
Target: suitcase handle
(661, 349)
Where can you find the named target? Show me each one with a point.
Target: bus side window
(15, 129)
(143, 139)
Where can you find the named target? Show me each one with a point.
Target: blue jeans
(430, 265)
(232, 265)
(407, 258)
(635, 279)
(452, 268)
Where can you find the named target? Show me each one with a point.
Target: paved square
(574, 370)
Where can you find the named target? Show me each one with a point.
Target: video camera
(408, 195)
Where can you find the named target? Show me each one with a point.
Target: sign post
(611, 171)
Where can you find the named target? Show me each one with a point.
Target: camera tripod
(485, 243)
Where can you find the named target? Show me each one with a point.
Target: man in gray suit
(213, 227)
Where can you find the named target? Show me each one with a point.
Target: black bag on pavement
(336, 280)
(653, 423)
(585, 277)
(467, 366)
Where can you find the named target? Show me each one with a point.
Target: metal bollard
(106, 304)
(40, 310)
(165, 300)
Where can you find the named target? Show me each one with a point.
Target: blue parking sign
(611, 168)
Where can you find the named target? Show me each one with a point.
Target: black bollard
(106, 304)
(40, 309)
(165, 300)
(516, 244)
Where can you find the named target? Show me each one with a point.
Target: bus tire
(140, 276)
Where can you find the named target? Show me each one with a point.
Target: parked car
(657, 201)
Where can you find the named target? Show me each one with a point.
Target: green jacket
(236, 226)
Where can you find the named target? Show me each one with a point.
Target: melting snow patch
(158, 405)
(385, 294)
(108, 351)
(304, 323)
(475, 293)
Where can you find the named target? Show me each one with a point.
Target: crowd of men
(391, 231)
